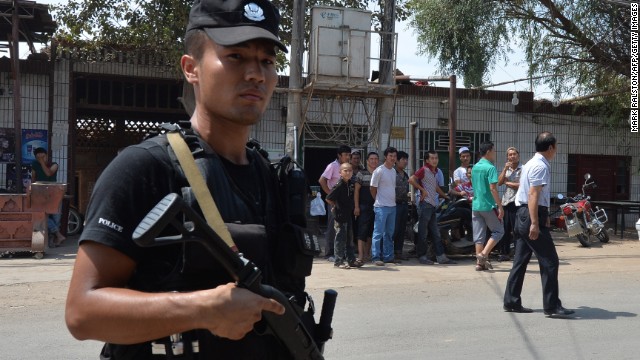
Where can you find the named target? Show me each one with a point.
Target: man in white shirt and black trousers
(532, 225)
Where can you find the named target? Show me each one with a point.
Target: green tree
(158, 26)
(583, 43)
(154, 26)
(464, 36)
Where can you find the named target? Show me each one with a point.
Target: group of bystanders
(369, 206)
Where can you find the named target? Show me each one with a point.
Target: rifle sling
(199, 186)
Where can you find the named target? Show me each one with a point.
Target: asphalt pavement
(404, 311)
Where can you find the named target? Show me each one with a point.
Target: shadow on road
(591, 313)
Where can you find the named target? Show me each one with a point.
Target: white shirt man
(383, 190)
(460, 174)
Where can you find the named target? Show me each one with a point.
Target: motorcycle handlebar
(590, 185)
(577, 198)
(582, 196)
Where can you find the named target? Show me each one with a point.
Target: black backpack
(297, 245)
(294, 189)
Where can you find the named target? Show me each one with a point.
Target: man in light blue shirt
(533, 232)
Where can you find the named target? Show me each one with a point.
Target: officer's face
(233, 84)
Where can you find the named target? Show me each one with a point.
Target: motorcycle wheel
(584, 240)
(603, 236)
(74, 223)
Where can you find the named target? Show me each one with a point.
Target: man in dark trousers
(149, 301)
(363, 207)
(341, 200)
(402, 204)
(428, 179)
(532, 229)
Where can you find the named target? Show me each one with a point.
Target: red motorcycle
(580, 219)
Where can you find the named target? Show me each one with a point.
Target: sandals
(483, 263)
(356, 263)
(350, 265)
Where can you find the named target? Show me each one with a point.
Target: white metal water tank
(340, 45)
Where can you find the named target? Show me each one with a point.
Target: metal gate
(112, 113)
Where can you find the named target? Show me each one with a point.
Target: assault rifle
(288, 328)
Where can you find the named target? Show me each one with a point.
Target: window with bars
(119, 93)
(439, 141)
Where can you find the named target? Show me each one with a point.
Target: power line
(514, 81)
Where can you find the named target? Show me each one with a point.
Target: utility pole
(386, 68)
(453, 117)
(294, 109)
(17, 107)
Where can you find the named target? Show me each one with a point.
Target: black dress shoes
(559, 311)
(517, 309)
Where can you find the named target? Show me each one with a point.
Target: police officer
(129, 296)
(532, 225)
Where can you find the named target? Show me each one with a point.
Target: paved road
(406, 311)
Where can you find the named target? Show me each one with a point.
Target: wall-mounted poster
(31, 140)
(10, 181)
(7, 145)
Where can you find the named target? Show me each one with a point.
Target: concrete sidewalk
(56, 265)
(615, 256)
(58, 262)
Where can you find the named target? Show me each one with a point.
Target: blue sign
(31, 140)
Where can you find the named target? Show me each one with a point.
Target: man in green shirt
(486, 206)
(41, 170)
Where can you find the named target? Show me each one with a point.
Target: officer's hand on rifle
(231, 312)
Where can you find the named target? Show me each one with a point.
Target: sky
(420, 66)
